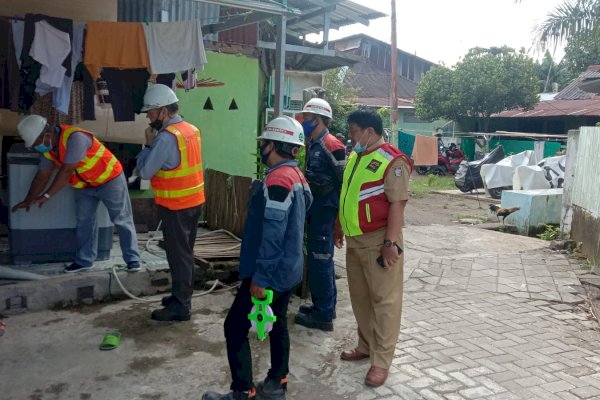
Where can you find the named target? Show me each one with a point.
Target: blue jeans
(115, 197)
(321, 271)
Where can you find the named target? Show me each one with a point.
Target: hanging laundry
(9, 69)
(115, 45)
(61, 96)
(18, 30)
(50, 47)
(126, 88)
(43, 105)
(425, 151)
(175, 46)
(30, 69)
(166, 79)
(189, 79)
(406, 143)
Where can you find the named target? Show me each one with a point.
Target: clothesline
(48, 50)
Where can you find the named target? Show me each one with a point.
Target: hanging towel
(116, 45)
(425, 151)
(175, 46)
(50, 47)
(407, 143)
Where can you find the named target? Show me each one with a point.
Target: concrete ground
(486, 315)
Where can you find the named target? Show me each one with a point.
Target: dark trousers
(179, 231)
(321, 271)
(237, 327)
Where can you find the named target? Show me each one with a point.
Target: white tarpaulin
(501, 173)
(547, 174)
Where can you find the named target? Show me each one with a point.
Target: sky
(444, 30)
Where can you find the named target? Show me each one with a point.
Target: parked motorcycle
(449, 159)
(468, 176)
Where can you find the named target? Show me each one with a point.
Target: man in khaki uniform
(371, 216)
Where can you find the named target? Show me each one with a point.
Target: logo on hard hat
(317, 106)
(279, 130)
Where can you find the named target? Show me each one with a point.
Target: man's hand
(150, 135)
(40, 201)
(338, 238)
(257, 291)
(390, 256)
(26, 204)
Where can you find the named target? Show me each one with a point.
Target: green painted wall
(228, 136)
(407, 122)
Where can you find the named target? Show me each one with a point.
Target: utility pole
(394, 83)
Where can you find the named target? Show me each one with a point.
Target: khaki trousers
(376, 297)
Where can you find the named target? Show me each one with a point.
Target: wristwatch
(46, 195)
(388, 243)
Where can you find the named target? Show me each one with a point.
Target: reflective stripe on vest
(363, 204)
(182, 187)
(98, 167)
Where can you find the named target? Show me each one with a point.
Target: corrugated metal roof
(178, 10)
(372, 81)
(572, 90)
(382, 102)
(345, 13)
(557, 108)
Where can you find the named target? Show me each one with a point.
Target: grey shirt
(77, 146)
(163, 153)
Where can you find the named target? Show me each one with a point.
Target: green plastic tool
(262, 316)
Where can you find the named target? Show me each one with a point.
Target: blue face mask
(358, 148)
(42, 148)
(264, 157)
(308, 126)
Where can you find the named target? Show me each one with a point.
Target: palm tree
(573, 17)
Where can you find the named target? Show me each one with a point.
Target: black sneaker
(171, 313)
(308, 309)
(272, 389)
(229, 396)
(74, 267)
(133, 266)
(309, 321)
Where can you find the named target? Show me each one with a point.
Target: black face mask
(156, 124)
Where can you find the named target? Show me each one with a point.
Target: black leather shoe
(309, 321)
(308, 309)
(171, 314)
(167, 300)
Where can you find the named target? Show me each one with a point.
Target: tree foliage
(485, 82)
(339, 95)
(581, 51)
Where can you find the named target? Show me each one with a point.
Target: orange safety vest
(98, 167)
(182, 187)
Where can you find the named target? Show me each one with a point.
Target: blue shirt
(272, 249)
(163, 153)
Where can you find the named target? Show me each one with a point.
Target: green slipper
(111, 340)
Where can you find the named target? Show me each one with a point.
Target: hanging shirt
(175, 46)
(115, 44)
(50, 47)
(61, 96)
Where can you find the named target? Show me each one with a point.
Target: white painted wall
(586, 189)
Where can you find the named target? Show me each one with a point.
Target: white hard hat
(318, 106)
(157, 96)
(284, 129)
(30, 128)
